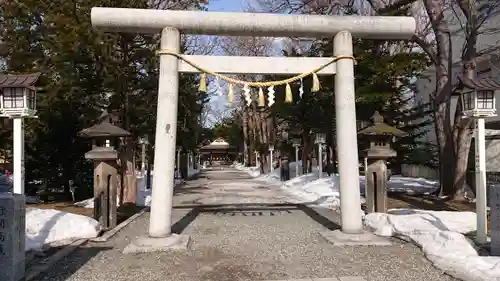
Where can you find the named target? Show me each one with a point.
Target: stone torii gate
(172, 23)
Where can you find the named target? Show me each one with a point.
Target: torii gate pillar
(171, 23)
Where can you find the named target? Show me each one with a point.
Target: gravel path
(254, 235)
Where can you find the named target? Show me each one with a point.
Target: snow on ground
(144, 194)
(440, 235)
(325, 191)
(47, 226)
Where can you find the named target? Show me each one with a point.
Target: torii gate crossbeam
(172, 23)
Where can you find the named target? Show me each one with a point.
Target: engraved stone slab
(12, 235)
(495, 219)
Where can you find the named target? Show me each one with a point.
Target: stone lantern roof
(379, 128)
(104, 129)
(19, 80)
(477, 84)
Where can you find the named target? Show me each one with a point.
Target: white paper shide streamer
(246, 94)
(270, 96)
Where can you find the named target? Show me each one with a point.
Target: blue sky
(226, 5)
(219, 103)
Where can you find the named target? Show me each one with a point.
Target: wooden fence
(419, 171)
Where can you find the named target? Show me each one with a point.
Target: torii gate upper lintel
(172, 23)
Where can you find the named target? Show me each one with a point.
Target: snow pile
(322, 192)
(48, 226)
(89, 203)
(252, 171)
(440, 235)
(325, 191)
(144, 194)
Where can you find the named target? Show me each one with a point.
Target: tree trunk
(463, 149)
(306, 157)
(442, 96)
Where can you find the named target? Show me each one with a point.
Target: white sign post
(172, 23)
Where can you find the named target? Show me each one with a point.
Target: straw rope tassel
(262, 99)
(315, 86)
(230, 94)
(203, 83)
(288, 94)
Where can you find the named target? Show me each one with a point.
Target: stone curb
(107, 235)
(35, 270)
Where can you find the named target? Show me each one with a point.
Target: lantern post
(296, 144)
(271, 150)
(320, 140)
(178, 174)
(18, 101)
(478, 103)
(143, 142)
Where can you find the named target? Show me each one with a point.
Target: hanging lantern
(478, 98)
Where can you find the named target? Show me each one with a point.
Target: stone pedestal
(173, 242)
(495, 219)
(376, 186)
(12, 237)
(285, 169)
(105, 185)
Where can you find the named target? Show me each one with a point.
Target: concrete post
(347, 142)
(270, 160)
(18, 144)
(143, 159)
(297, 173)
(166, 132)
(481, 206)
(178, 157)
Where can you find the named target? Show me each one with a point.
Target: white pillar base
(365, 238)
(174, 242)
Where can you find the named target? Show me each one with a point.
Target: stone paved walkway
(244, 230)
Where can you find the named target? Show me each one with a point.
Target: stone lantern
(104, 140)
(380, 136)
(143, 142)
(296, 144)
(271, 150)
(18, 95)
(320, 141)
(478, 103)
(478, 100)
